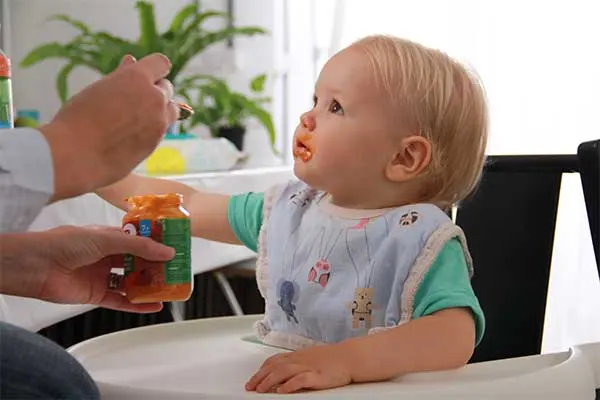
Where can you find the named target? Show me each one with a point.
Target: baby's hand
(318, 367)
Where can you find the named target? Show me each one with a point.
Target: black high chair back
(509, 223)
(589, 168)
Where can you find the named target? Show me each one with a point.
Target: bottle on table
(6, 97)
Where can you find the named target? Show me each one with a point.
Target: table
(89, 209)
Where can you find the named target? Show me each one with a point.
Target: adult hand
(72, 265)
(107, 129)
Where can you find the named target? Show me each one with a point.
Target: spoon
(185, 111)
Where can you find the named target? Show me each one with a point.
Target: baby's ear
(413, 155)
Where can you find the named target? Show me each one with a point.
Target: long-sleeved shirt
(26, 177)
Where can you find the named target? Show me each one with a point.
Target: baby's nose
(308, 121)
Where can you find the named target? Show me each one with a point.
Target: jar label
(174, 233)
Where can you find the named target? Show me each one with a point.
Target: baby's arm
(443, 340)
(447, 324)
(208, 211)
(440, 341)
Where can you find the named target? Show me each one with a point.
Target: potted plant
(223, 111)
(100, 51)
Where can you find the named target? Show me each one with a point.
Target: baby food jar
(164, 219)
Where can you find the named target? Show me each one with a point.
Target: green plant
(216, 106)
(102, 52)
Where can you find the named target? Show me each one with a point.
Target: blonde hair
(439, 99)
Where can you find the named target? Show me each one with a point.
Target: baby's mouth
(302, 150)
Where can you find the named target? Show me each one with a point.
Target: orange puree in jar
(164, 219)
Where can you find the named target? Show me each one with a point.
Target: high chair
(509, 223)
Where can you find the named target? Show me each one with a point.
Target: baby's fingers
(267, 381)
(265, 369)
(304, 380)
(258, 377)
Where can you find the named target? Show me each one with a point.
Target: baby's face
(344, 142)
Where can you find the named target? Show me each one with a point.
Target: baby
(363, 273)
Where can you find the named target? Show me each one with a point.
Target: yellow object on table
(184, 154)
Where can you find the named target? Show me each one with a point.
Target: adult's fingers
(167, 89)
(168, 92)
(116, 301)
(104, 228)
(155, 66)
(173, 112)
(115, 242)
(127, 60)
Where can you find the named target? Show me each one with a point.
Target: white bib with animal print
(328, 273)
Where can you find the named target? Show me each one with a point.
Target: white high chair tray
(209, 359)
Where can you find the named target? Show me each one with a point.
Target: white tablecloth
(90, 209)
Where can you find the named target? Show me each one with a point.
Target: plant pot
(235, 134)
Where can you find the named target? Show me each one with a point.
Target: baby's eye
(315, 100)
(336, 108)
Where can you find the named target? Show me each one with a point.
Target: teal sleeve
(245, 214)
(447, 285)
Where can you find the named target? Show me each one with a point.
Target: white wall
(537, 59)
(34, 87)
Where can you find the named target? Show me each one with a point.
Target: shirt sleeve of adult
(26, 177)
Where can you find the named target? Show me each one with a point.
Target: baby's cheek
(333, 161)
(344, 155)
